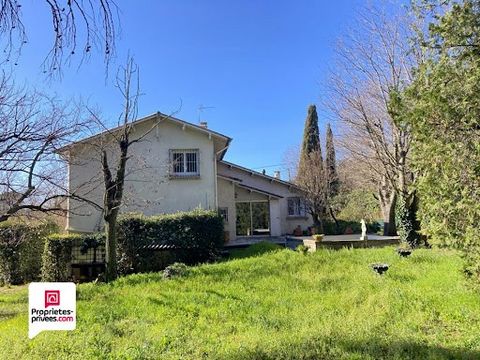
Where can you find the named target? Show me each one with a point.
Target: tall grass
(260, 248)
(281, 305)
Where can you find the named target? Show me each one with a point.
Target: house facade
(179, 166)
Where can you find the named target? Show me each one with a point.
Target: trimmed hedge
(94, 243)
(58, 253)
(20, 247)
(187, 237)
(57, 257)
(193, 237)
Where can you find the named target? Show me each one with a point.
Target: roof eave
(271, 178)
(144, 119)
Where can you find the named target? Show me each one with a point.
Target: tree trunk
(111, 248)
(387, 198)
(337, 225)
(388, 213)
(317, 222)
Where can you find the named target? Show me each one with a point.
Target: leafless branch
(374, 61)
(78, 26)
(32, 127)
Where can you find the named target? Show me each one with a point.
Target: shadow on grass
(347, 349)
(223, 296)
(377, 348)
(168, 302)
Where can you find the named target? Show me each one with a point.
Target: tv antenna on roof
(201, 108)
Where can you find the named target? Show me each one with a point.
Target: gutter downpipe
(215, 175)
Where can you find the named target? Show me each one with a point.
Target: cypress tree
(311, 172)
(311, 136)
(330, 165)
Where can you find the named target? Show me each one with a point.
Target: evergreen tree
(311, 135)
(331, 165)
(331, 173)
(443, 114)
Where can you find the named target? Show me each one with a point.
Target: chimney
(276, 174)
(203, 124)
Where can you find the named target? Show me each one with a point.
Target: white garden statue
(364, 230)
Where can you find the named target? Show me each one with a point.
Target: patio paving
(353, 240)
(245, 241)
(332, 241)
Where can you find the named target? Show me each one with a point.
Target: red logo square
(52, 298)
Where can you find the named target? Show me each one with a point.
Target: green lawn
(279, 305)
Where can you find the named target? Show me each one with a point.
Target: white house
(179, 166)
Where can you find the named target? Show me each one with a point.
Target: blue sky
(258, 63)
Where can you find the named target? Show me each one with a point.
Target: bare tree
(77, 27)
(33, 127)
(114, 150)
(311, 179)
(311, 174)
(290, 161)
(114, 176)
(374, 62)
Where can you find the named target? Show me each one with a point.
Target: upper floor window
(296, 206)
(185, 162)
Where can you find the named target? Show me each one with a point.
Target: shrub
(317, 237)
(175, 270)
(302, 249)
(57, 257)
(405, 221)
(20, 247)
(190, 237)
(356, 204)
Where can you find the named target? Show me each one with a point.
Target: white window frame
(223, 212)
(298, 206)
(185, 173)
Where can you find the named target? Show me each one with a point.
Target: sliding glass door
(253, 218)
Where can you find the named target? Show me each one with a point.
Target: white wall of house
(226, 199)
(275, 217)
(149, 188)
